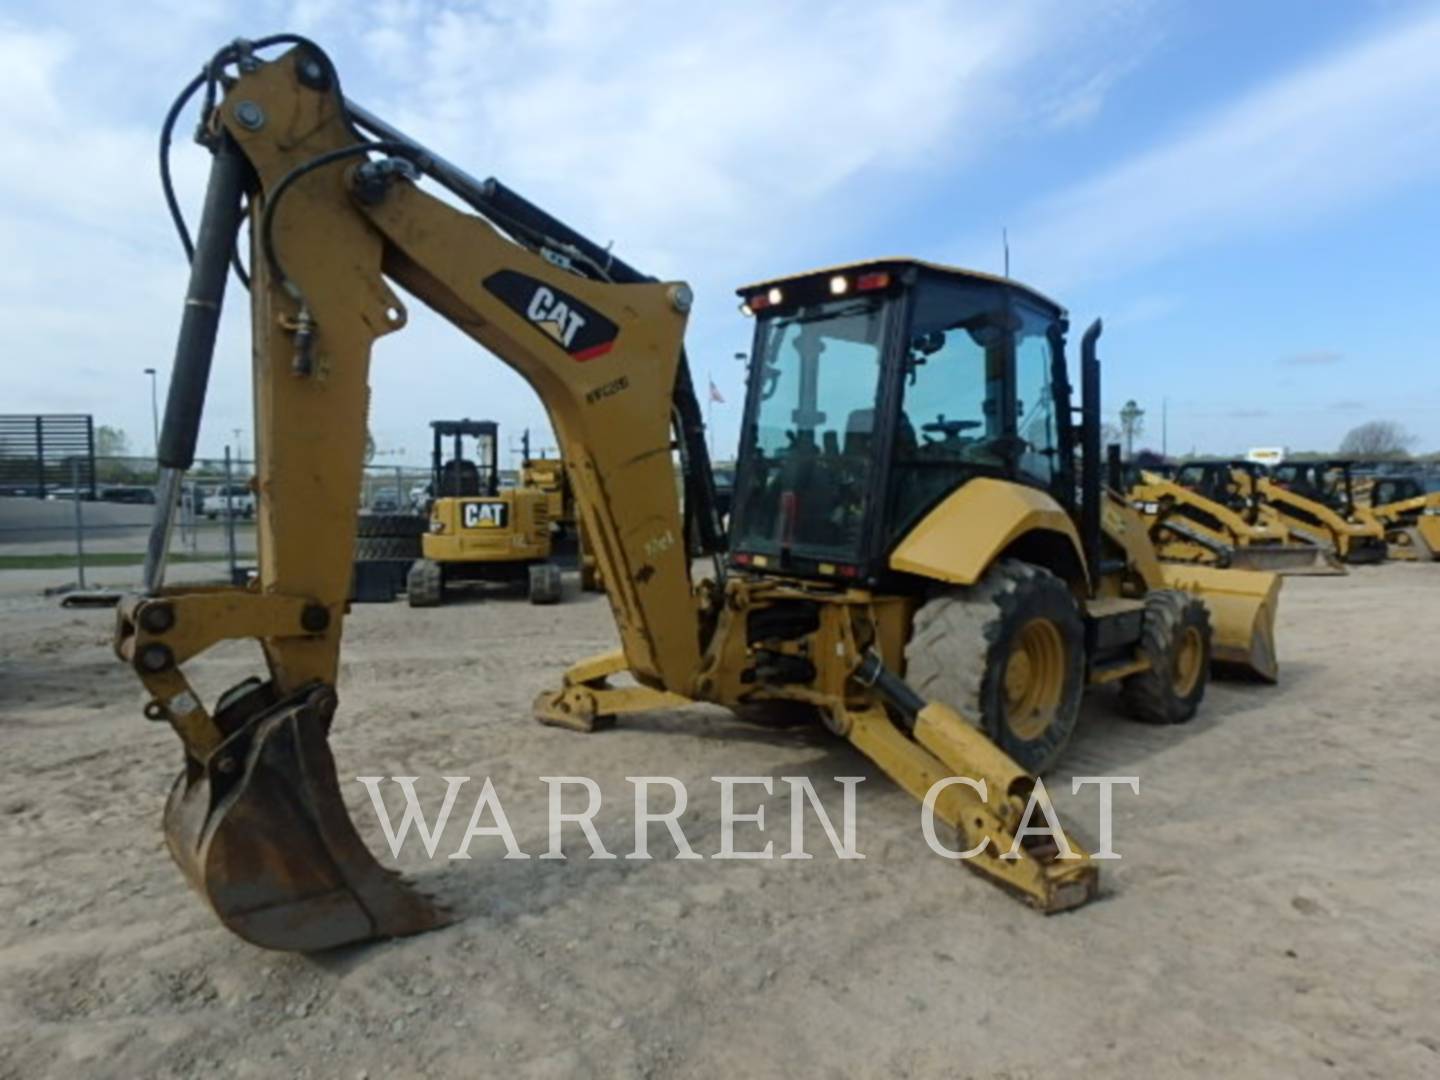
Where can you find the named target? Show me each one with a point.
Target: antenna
(1005, 243)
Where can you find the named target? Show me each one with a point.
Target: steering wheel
(949, 428)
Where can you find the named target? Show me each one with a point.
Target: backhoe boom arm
(255, 820)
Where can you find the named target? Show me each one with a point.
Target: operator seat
(459, 478)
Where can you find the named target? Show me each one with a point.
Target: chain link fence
(83, 535)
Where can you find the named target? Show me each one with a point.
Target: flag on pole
(715, 394)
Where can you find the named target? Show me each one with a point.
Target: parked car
(385, 502)
(241, 502)
(127, 493)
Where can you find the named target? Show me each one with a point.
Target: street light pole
(154, 410)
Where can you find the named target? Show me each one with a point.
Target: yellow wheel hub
(1188, 658)
(1034, 678)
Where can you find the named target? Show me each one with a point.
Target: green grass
(65, 560)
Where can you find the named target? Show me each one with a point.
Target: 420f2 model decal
(580, 330)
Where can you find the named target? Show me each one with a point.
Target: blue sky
(1246, 192)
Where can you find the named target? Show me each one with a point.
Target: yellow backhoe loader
(481, 533)
(1220, 528)
(923, 553)
(1316, 498)
(1408, 512)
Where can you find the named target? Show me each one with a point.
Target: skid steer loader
(1317, 497)
(481, 533)
(1189, 527)
(917, 558)
(1409, 513)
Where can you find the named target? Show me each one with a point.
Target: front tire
(1009, 655)
(1176, 637)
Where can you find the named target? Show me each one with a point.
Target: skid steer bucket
(1291, 559)
(1242, 607)
(261, 833)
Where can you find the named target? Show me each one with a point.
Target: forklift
(480, 532)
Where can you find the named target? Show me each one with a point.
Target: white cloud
(711, 142)
(1336, 132)
(720, 143)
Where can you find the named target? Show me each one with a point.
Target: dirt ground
(1274, 912)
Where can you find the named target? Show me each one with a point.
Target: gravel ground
(1273, 913)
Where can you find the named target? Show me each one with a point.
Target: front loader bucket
(261, 833)
(1415, 543)
(1289, 559)
(1242, 607)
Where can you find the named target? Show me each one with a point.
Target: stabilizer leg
(586, 701)
(942, 745)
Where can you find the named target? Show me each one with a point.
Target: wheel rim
(1189, 658)
(1034, 678)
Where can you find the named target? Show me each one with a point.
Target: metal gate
(40, 454)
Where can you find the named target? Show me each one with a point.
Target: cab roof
(466, 427)
(899, 263)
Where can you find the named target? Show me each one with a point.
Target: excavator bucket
(1242, 607)
(261, 833)
(1300, 560)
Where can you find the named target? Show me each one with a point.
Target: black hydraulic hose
(195, 348)
(267, 219)
(209, 77)
(167, 183)
(235, 263)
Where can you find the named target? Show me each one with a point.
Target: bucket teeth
(272, 849)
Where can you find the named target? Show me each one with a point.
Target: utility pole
(1165, 428)
(1005, 243)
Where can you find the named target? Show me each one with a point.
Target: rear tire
(1009, 655)
(425, 584)
(1176, 636)
(546, 585)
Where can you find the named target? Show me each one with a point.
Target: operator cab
(1215, 480)
(459, 477)
(876, 390)
(1327, 482)
(1393, 489)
